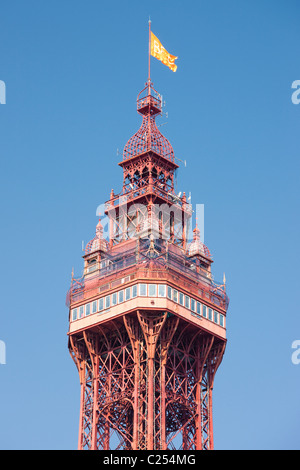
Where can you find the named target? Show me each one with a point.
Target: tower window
(204, 311)
(181, 298)
(152, 290)
(107, 301)
(127, 293)
(114, 299)
(87, 309)
(101, 305)
(121, 296)
(94, 306)
(92, 265)
(81, 311)
(161, 290)
(221, 319)
(187, 301)
(74, 314)
(134, 291)
(143, 289)
(199, 308)
(215, 316)
(193, 305)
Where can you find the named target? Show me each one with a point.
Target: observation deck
(141, 277)
(149, 104)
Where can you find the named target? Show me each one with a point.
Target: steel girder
(146, 383)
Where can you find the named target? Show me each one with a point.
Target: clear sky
(72, 72)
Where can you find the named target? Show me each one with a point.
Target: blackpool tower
(147, 322)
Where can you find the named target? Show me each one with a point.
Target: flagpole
(149, 52)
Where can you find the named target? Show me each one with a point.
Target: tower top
(148, 137)
(149, 101)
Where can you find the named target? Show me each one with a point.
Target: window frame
(87, 309)
(121, 296)
(81, 311)
(127, 293)
(114, 299)
(107, 301)
(155, 290)
(134, 291)
(163, 288)
(74, 313)
(141, 286)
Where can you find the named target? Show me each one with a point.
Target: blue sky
(72, 72)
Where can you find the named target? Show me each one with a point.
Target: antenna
(82, 245)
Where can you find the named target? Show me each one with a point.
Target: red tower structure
(147, 327)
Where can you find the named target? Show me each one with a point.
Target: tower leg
(204, 348)
(151, 325)
(166, 337)
(132, 327)
(148, 381)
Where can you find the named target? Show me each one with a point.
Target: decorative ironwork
(146, 373)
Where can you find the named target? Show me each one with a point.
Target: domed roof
(196, 247)
(148, 137)
(98, 242)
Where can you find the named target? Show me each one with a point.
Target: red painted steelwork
(146, 370)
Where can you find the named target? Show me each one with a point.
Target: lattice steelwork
(147, 321)
(148, 136)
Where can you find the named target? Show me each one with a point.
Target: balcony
(149, 104)
(138, 263)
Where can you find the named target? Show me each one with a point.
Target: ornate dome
(196, 247)
(148, 137)
(98, 242)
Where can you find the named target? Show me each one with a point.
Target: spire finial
(149, 53)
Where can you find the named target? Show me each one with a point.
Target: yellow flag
(158, 51)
